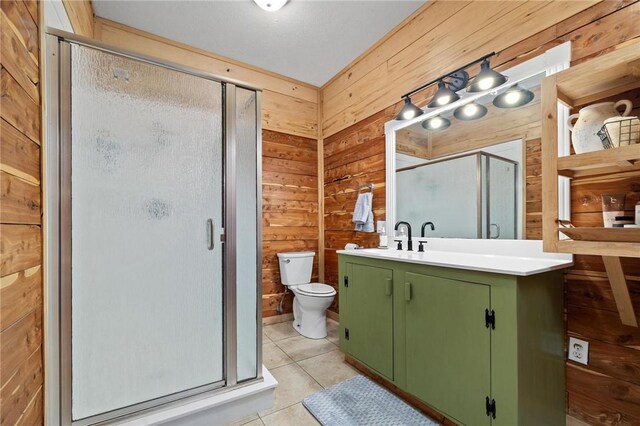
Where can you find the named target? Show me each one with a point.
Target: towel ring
(366, 187)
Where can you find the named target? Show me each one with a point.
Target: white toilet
(311, 300)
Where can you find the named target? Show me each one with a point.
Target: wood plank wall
(608, 390)
(290, 160)
(412, 54)
(289, 209)
(21, 368)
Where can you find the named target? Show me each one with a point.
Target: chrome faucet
(409, 242)
(424, 225)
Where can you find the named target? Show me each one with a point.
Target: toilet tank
(296, 267)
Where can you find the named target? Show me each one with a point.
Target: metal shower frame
(57, 237)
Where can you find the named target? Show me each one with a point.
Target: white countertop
(510, 257)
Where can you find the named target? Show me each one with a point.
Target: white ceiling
(309, 40)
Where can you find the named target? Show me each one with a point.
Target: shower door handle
(497, 229)
(210, 234)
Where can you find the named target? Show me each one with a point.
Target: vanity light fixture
(515, 96)
(443, 96)
(436, 124)
(486, 79)
(470, 111)
(271, 5)
(409, 110)
(450, 83)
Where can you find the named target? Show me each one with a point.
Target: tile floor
(301, 366)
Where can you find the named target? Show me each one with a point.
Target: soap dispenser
(382, 233)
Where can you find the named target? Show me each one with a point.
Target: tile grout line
(310, 375)
(335, 347)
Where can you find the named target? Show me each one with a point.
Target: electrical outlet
(578, 350)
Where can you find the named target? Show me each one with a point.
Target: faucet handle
(399, 244)
(421, 246)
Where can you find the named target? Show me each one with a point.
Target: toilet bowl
(311, 300)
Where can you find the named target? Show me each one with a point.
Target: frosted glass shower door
(146, 210)
(247, 233)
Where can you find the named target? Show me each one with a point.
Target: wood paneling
(21, 370)
(24, 24)
(17, 108)
(437, 39)
(352, 158)
(288, 106)
(19, 341)
(533, 189)
(81, 16)
(17, 59)
(20, 390)
(617, 396)
(357, 104)
(19, 200)
(19, 293)
(19, 156)
(289, 208)
(20, 246)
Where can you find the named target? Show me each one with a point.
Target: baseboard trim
(333, 315)
(277, 319)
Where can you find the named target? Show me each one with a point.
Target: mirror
(462, 168)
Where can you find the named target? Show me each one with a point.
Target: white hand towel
(363, 214)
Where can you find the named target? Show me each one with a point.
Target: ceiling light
(436, 124)
(443, 96)
(515, 96)
(486, 79)
(470, 111)
(409, 110)
(271, 5)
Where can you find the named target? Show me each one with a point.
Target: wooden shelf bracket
(620, 290)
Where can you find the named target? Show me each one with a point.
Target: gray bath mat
(361, 402)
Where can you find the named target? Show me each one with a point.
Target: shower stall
(153, 232)
(468, 196)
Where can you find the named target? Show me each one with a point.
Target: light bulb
(436, 122)
(443, 100)
(512, 97)
(470, 110)
(271, 5)
(486, 83)
(407, 115)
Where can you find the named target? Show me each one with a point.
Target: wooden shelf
(597, 248)
(602, 77)
(615, 160)
(599, 234)
(595, 80)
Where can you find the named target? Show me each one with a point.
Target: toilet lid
(316, 289)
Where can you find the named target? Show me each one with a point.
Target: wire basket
(620, 132)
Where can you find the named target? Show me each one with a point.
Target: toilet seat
(316, 290)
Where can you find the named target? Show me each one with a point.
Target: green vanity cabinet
(440, 310)
(368, 302)
(463, 342)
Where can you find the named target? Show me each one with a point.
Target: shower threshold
(220, 408)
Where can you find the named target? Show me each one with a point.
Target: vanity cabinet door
(368, 296)
(448, 347)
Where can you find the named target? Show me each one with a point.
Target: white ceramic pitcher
(584, 131)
